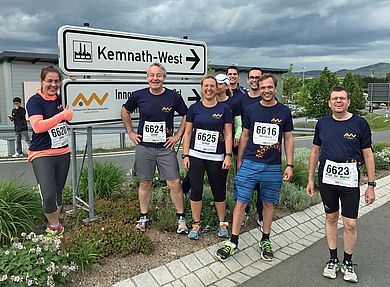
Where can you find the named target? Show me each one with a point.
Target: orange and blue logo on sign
(82, 100)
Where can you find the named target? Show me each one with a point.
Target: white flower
(23, 234)
(30, 282)
(6, 252)
(3, 278)
(38, 250)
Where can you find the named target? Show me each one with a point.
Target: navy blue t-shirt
(237, 93)
(342, 141)
(245, 101)
(156, 108)
(277, 115)
(211, 119)
(37, 105)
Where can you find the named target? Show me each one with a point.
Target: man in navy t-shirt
(234, 76)
(266, 123)
(342, 142)
(155, 139)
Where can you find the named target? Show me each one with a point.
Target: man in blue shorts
(155, 139)
(266, 123)
(342, 143)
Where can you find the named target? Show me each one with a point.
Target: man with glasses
(342, 143)
(250, 97)
(155, 140)
(18, 116)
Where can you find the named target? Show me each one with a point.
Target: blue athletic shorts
(268, 176)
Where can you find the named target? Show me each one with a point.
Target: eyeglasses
(50, 81)
(254, 77)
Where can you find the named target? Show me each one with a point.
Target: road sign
(84, 50)
(379, 92)
(100, 101)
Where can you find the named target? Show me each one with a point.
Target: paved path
(300, 254)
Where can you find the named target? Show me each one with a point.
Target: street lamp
(303, 76)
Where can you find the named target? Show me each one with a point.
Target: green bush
(67, 195)
(379, 146)
(34, 260)
(106, 176)
(382, 159)
(20, 210)
(295, 197)
(103, 238)
(301, 167)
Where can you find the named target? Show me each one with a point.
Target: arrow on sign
(194, 59)
(197, 97)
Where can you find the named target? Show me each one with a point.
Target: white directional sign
(100, 101)
(84, 50)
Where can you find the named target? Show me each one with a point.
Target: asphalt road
(305, 268)
(22, 169)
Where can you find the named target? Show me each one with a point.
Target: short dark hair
(17, 100)
(339, 89)
(254, 69)
(233, 68)
(267, 76)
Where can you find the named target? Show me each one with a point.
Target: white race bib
(59, 136)
(342, 174)
(206, 141)
(154, 132)
(265, 134)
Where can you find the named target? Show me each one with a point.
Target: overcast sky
(266, 33)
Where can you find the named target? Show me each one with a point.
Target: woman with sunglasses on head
(49, 152)
(207, 147)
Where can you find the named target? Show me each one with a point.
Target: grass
(378, 122)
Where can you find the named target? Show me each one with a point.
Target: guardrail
(7, 133)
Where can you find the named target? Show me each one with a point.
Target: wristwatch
(183, 156)
(290, 165)
(371, 183)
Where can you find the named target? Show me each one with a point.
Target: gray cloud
(333, 33)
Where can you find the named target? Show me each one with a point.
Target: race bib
(59, 136)
(342, 174)
(265, 134)
(154, 132)
(206, 141)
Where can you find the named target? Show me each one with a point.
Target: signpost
(84, 50)
(100, 101)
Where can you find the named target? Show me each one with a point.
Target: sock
(265, 236)
(143, 214)
(347, 257)
(333, 253)
(179, 215)
(55, 226)
(234, 239)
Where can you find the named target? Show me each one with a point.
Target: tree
(316, 104)
(358, 102)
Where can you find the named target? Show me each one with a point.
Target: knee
(174, 185)
(145, 185)
(267, 205)
(220, 197)
(196, 195)
(332, 218)
(350, 224)
(240, 206)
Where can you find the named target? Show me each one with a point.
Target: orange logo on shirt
(166, 109)
(218, 116)
(349, 136)
(278, 121)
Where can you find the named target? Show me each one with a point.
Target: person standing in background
(18, 117)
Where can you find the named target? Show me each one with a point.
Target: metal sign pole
(90, 174)
(74, 169)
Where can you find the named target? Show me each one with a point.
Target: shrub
(295, 197)
(67, 195)
(102, 238)
(34, 260)
(20, 210)
(379, 146)
(106, 176)
(382, 159)
(301, 167)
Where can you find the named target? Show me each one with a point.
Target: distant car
(375, 106)
(382, 106)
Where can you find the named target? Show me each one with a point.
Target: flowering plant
(34, 260)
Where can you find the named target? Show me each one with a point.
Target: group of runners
(230, 123)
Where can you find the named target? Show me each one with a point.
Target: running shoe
(349, 273)
(195, 232)
(227, 250)
(223, 230)
(142, 223)
(181, 226)
(331, 268)
(52, 231)
(266, 250)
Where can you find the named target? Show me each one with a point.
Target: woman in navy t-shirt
(207, 146)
